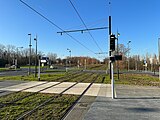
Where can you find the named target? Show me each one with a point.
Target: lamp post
(128, 53)
(16, 60)
(29, 70)
(36, 57)
(159, 55)
(118, 34)
(69, 55)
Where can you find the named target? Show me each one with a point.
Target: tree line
(135, 62)
(9, 53)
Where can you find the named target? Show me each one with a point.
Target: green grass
(12, 111)
(44, 77)
(131, 79)
(103, 78)
(97, 67)
(138, 79)
(54, 110)
(27, 66)
(6, 69)
(54, 70)
(57, 108)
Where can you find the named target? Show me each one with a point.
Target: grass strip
(138, 79)
(44, 77)
(14, 110)
(55, 109)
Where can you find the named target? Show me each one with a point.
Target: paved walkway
(58, 88)
(132, 103)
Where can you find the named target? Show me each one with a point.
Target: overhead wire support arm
(102, 53)
(82, 30)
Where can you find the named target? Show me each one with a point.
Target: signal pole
(109, 45)
(112, 82)
(29, 70)
(117, 54)
(159, 55)
(128, 54)
(36, 58)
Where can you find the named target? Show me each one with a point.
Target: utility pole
(85, 63)
(109, 45)
(29, 70)
(112, 60)
(66, 65)
(16, 61)
(159, 55)
(69, 56)
(39, 70)
(78, 64)
(36, 58)
(128, 53)
(117, 54)
(112, 82)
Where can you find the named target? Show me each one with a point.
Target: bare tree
(52, 57)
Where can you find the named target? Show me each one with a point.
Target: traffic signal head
(112, 42)
(118, 57)
(112, 58)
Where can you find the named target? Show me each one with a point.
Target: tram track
(45, 82)
(30, 94)
(21, 117)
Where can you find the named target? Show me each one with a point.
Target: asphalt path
(24, 71)
(7, 83)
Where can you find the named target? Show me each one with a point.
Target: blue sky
(136, 20)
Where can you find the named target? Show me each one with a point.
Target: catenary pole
(36, 57)
(29, 69)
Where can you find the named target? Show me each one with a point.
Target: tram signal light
(118, 57)
(112, 42)
(115, 57)
(112, 58)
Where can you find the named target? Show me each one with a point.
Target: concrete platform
(84, 104)
(41, 87)
(77, 89)
(81, 108)
(132, 103)
(94, 90)
(128, 91)
(6, 83)
(21, 86)
(99, 90)
(59, 88)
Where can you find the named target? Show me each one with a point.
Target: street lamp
(128, 53)
(118, 34)
(36, 57)
(70, 56)
(159, 55)
(29, 70)
(16, 60)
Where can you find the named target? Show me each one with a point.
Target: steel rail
(16, 100)
(49, 100)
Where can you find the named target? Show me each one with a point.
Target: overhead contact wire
(56, 25)
(84, 25)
